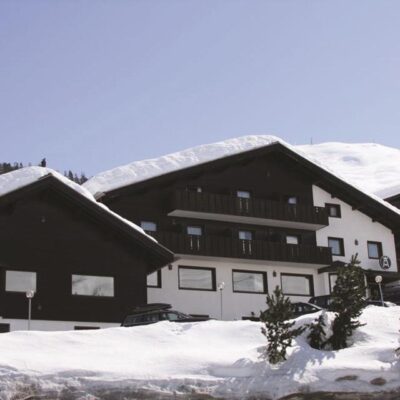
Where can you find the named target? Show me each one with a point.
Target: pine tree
(277, 328)
(43, 163)
(317, 336)
(348, 300)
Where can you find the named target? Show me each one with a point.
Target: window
(333, 210)
(297, 285)
(249, 281)
(4, 328)
(197, 189)
(243, 194)
(337, 246)
(154, 279)
(20, 281)
(85, 328)
(245, 235)
(332, 282)
(292, 239)
(88, 285)
(196, 278)
(148, 226)
(194, 230)
(374, 250)
(293, 200)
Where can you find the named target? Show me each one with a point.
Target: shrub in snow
(277, 328)
(317, 335)
(347, 303)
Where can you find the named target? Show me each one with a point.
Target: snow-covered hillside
(224, 359)
(370, 166)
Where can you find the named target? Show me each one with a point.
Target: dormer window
(292, 239)
(194, 230)
(148, 226)
(292, 200)
(245, 235)
(243, 194)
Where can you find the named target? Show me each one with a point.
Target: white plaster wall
(351, 226)
(235, 305)
(44, 325)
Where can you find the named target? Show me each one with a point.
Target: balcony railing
(216, 246)
(254, 208)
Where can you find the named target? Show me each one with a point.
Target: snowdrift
(223, 359)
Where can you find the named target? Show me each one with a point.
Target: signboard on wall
(385, 262)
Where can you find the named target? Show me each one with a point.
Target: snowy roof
(389, 192)
(17, 179)
(326, 156)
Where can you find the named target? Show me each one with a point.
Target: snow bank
(224, 359)
(19, 178)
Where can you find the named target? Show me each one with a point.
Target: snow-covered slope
(369, 166)
(22, 177)
(220, 358)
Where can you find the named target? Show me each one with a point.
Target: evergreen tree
(348, 300)
(277, 328)
(317, 336)
(43, 163)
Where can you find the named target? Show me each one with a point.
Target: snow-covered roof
(351, 163)
(19, 178)
(389, 192)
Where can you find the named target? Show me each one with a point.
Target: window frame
(292, 196)
(195, 226)
(159, 283)
(243, 191)
(265, 281)
(91, 296)
(252, 234)
(380, 249)
(292, 235)
(150, 222)
(330, 282)
(329, 206)
(341, 245)
(213, 278)
(310, 278)
(19, 270)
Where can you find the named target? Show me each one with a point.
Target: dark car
(155, 312)
(321, 301)
(301, 308)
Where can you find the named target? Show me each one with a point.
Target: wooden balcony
(247, 211)
(216, 246)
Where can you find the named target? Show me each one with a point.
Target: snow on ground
(19, 178)
(224, 359)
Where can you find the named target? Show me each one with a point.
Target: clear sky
(94, 84)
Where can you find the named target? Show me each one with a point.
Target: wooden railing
(216, 246)
(256, 208)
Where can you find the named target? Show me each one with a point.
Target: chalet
(86, 265)
(244, 216)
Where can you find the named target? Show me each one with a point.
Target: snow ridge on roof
(19, 178)
(389, 192)
(138, 171)
(335, 158)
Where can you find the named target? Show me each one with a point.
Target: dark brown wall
(48, 234)
(271, 177)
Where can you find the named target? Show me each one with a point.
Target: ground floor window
(89, 285)
(249, 281)
(4, 328)
(154, 279)
(332, 282)
(196, 278)
(297, 284)
(20, 281)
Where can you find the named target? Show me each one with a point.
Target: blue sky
(94, 84)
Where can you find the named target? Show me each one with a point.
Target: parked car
(326, 300)
(301, 308)
(155, 312)
(321, 301)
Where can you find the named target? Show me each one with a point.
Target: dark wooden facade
(271, 181)
(50, 229)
